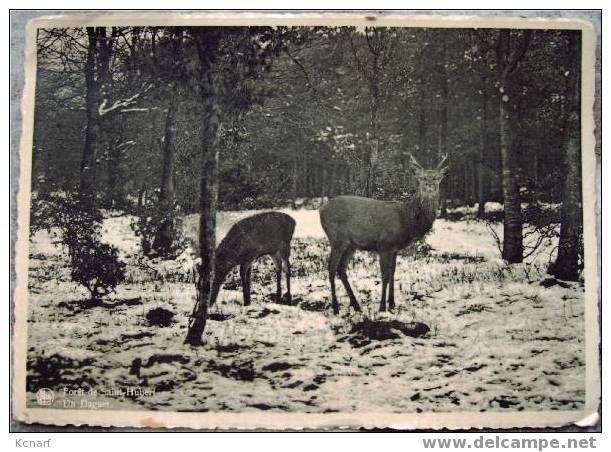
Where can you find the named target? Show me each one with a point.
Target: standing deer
(356, 223)
(247, 240)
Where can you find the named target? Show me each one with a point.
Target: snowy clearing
(489, 336)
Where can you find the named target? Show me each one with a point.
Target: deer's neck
(427, 208)
(420, 215)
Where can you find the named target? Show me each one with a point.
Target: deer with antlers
(356, 223)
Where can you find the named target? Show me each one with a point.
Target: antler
(444, 157)
(415, 162)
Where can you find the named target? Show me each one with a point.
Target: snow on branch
(126, 144)
(122, 104)
(134, 110)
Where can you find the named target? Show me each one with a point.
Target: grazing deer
(355, 223)
(247, 240)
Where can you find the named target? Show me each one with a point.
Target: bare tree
(566, 265)
(164, 239)
(244, 49)
(207, 40)
(101, 100)
(379, 49)
(510, 49)
(481, 200)
(92, 106)
(443, 118)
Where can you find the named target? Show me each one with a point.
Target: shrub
(540, 227)
(97, 267)
(159, 230)
(160, 317)
(94, 265)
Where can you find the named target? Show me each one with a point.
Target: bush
(97, 267)
(540, 227)
(94, 265)
(160, 317)
(159, 230)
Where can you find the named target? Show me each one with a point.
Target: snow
(498, 339)
(307, 223)
(123, 103)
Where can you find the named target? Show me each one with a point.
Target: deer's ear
(443, 171)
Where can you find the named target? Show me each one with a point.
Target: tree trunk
(371, 69)
(481, 200)
(164, 239)
(422, 76)
(567, 263)
(375, 132)
(473, 179)
(115, 149)
(373, 158)
(114, 194)
(92, 105)
(465, 182)
(333, 181)
(325, 180)
(141, 193)
(507, 61)
(443, 123)
(513, 247)
(207, 44)
(362, 183)
(295, 180)
(304, 175)
(422, 122)
(166, 195)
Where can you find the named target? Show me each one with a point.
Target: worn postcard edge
(297, 421)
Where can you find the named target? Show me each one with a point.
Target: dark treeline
(174, 116)
(337, 111)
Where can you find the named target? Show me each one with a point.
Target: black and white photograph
(318, 222)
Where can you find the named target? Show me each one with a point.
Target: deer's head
(428, 179)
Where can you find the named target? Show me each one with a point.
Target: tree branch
(122, 104)
(518, 53)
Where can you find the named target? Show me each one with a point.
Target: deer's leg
(385, 264)
(216, 285)
(245, 277)
(278, 262)
(391, 282)
(249, 279)
(288, 277)
(343, 264)
(336, 254)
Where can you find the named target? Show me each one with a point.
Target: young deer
(355, 223)
(265, 233)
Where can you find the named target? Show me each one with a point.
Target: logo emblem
(44, 397)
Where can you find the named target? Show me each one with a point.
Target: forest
(304, 112)
(150, 142)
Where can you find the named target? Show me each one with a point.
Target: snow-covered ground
(498, 339)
